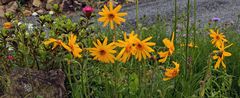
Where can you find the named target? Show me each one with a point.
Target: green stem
(207, 76)
(175, 16)
(115, 80)
(137, 18)
(187, 35)
(69, 78)
(139, 77)
(195, 22)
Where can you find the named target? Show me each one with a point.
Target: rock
(40, 11)
(6, 1)
(29, 83)
(12, 7)
(67, 5)
(27, 13)
(37, 3)
(51, 2)
(1, 11)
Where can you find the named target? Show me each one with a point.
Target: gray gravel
(227, 10)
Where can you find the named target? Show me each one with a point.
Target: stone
(2, 11)
(6, 1)
(12, 7)
(37, 3)
(40, 11)
(67, 5)
(27, 13)
(29, 83)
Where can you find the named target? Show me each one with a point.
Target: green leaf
(134, 83)
(239, 82)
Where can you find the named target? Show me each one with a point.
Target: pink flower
(10, 57)
(87, 9)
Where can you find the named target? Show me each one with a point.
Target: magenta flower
(88, 10)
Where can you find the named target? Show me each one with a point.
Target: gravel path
(227, 10)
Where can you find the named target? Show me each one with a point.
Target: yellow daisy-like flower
(103, 52)
(7, 25)
(143, 48)
(111, 15)
(170, 45)
(128, 48)
(218, 38)
(72, 46)
(220, 55)
(55, 42)
(171, 72)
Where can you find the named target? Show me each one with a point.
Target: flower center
(218, 37)
(111, 16)
(174, 73)
(220, 53)
(102, 52)
(72, 47)
(128, 48)
(139, 46)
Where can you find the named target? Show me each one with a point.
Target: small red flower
(10, 57)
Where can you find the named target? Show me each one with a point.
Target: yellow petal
(105, 8)
(147, 39)
(172, 37)
(111, 24)
(167, 42)
(54, 45)
(216, 66)
(105, 23)
(176, 64)
(51, 40)
(66, 47)
(215, 57)
(163, 60)
(227, 54)
(102, 19)
(110, 6)
(165, 79)
(117, 9)
(105, 41)
(99, 43)
(223, 64)
(121, 14)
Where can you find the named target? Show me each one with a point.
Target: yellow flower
(111, 15)
(190, 45)
(143, 49)
(103, 52)
(7, 25)
(218, 38)
(220, 55)
(171, 72)
(128, 47)
(170, 45)
(72, 46)
(55, 42)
